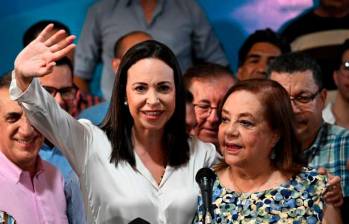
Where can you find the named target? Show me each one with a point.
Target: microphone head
(139, 221)
(204, 174)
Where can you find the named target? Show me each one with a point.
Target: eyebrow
(159, 83)
(246, 114)
(165, 82)
(224, 111)
(253, 56)
(13, 114)
(204, 101)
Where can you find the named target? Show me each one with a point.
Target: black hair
(34, 30)
(65, 61)
(296, 62)
(5, 80)
(118, 122)
(341, 50)
(265, 35)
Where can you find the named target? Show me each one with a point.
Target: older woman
(140, 163)
(262, 178)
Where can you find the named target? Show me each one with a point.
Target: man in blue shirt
(180, 24)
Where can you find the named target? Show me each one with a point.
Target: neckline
(285, 184)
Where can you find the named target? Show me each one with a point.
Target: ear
(323, 96)
(238, 74)
(115, 64)
(335, 77)
(275, 138)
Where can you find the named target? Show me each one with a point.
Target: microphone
(205, 178)
(139, 221)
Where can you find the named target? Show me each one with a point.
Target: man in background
(180, 24)
(325, 145)
(256, 53)
(318, 32)
(31, 189)
(208, 83)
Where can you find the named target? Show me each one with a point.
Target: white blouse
(115, 194)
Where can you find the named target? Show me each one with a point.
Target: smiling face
(150, 93)
(245, 137)
(19, 140)
(208, 93)
(308, 115)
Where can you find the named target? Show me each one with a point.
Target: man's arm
(205, 42)
(88, 50)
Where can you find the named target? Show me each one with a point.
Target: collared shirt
(75, 204)
(180, 24)
(32, 200)
(116, 194)
(5, 218)
(328, 115)
(331, 151)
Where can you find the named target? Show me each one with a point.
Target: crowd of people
(277, 147)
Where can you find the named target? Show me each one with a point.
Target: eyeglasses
(305, 98)
(203, 110)
(345, 65)
(67, 93)
(345, 68)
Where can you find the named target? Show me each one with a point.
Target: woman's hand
(40, 56)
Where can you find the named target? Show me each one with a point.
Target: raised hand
(40, 56)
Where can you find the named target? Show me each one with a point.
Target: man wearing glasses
(59, 83)
(325, 145)
(208, 83)
(338, 112)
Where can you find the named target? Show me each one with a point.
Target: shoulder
(95, 113)
(295, 27)
(202, 152)
(334, 130)
(199, 147)
(336, 137)
(311, 181)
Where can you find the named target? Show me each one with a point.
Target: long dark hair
(118, 122)
(280, 118)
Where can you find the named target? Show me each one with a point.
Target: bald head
(126, 42)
